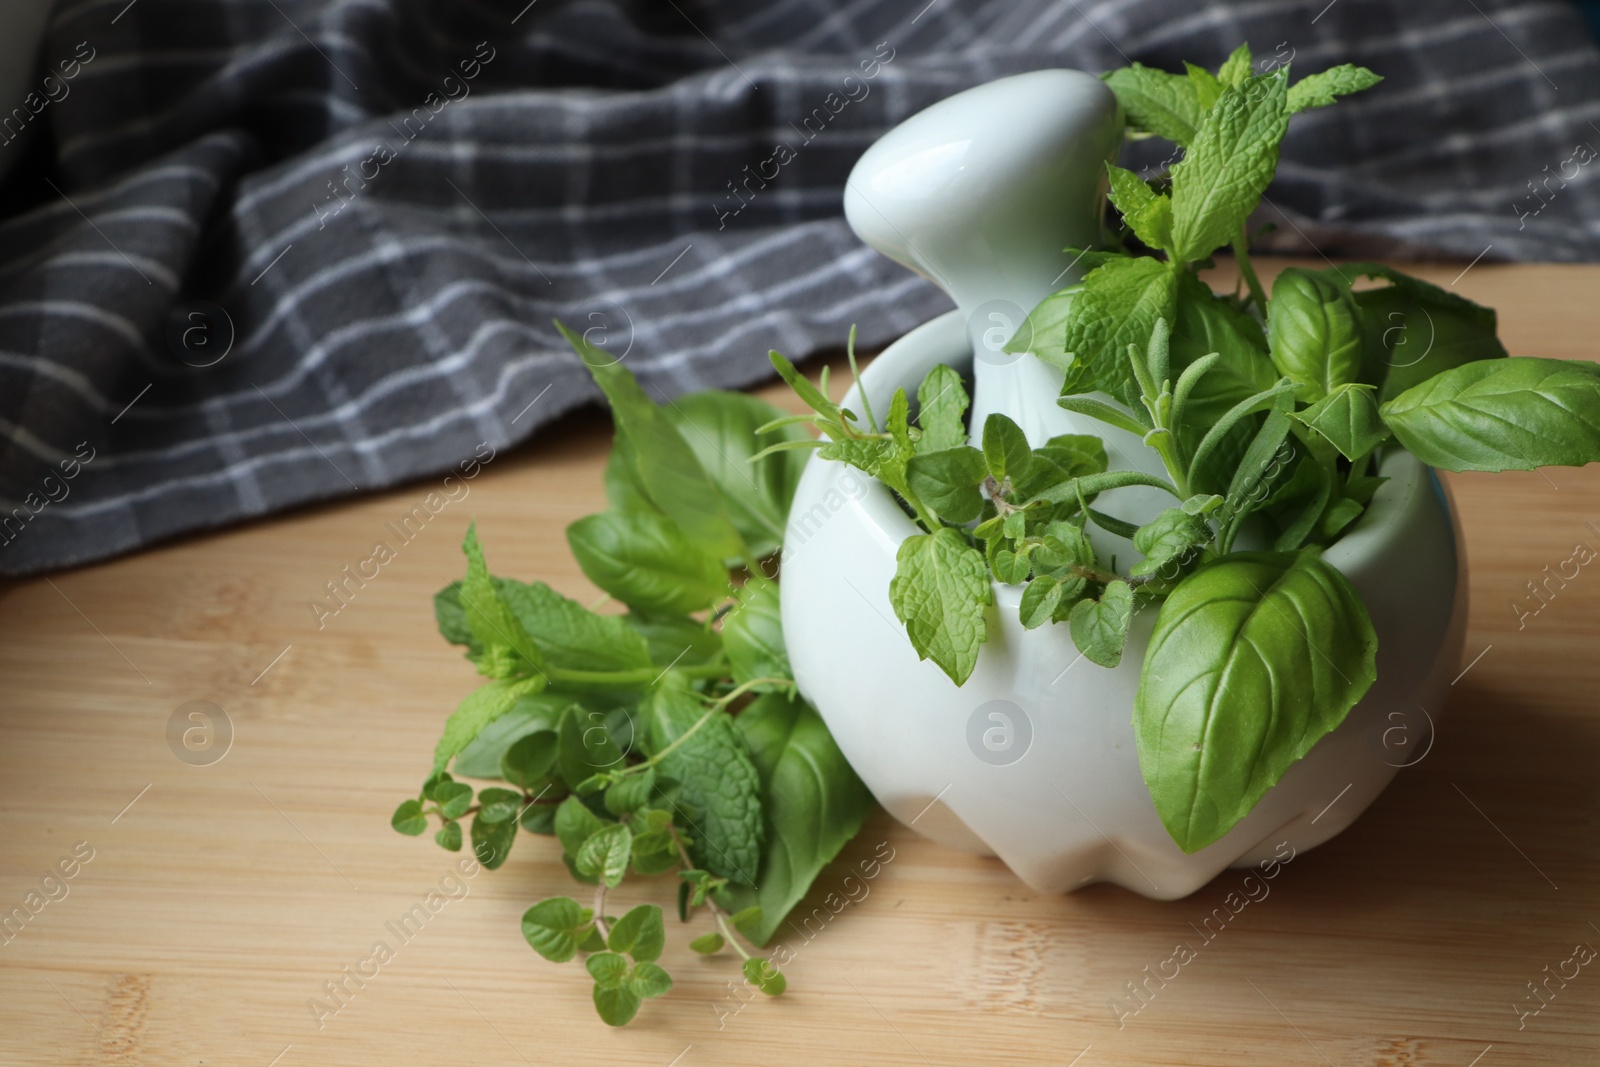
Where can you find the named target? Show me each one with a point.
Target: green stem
(716, 707)
(727, 933)
(1165, 442)
(637, 676)
(1241, 254)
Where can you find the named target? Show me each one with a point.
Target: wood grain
(220, 899)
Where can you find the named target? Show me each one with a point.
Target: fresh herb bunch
(667, 740)
(1269, 415)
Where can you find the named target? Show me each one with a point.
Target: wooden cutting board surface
(216, 901)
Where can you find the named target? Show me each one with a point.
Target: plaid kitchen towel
(258, 253)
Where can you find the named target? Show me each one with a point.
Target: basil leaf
(1227, 166)
(482, 757)
(940, 592)
(1317, 337)
(1208, 323)
(1118, 306)
(1257, 467)
(1320, 90)
(585, 747)
(947, 481)
(1416, 330)
(1348, 417)
(665, 466)
(752, 633)
(720, 429)
(621, 480)
(716, 778)
(676, 638)
(813, 803)
(1502, 414)
(1254, 658)
(942, 403)
(647, 562)
(1100, 627)
(1165, 104)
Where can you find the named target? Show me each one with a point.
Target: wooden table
(221, 898)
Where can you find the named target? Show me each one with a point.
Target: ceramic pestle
(984, 193)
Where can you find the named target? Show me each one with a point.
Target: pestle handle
(982, 192)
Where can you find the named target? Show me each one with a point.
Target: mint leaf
(585, 747)
(716, 779)
(481, 707)
(489, 619)
(1118, 305)
(813, 804)
(570, 634)
(1348, 417)
(647, 562)
(1147, 213)
(665, 465)
(1320, 90)
(940, 591)
(1502, 414)
(942, 404)
(1207, 86)
(1227, 166)
(528, 759)
(1165, 104)
(1254, 658)
(1236, 69)
(1100, 627)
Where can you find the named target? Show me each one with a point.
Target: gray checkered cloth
(259, 253)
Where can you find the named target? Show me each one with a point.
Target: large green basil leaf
(665, 467)
(721, 431)
(716, 779)
(1208, 323)
(1317, 337)
(645, 561)
(813, 801)
(752, 634)
(941, 592)
(1416, 330)
(1501, 415)
(1254, 658)
(1348, 417)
